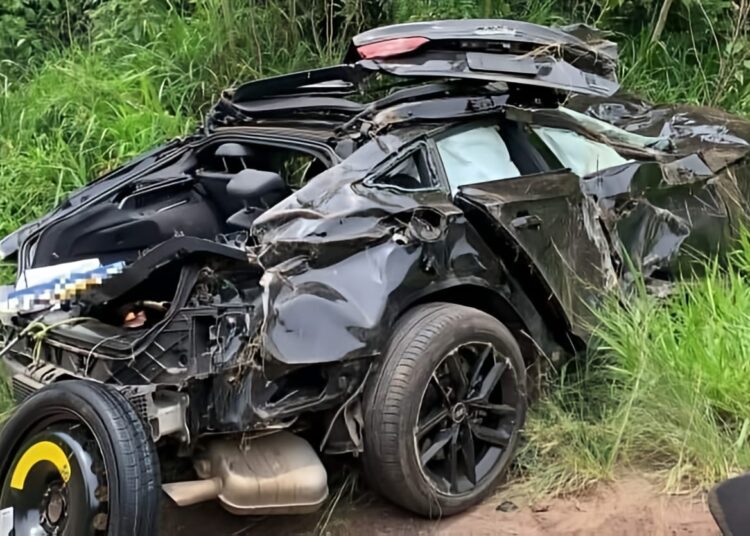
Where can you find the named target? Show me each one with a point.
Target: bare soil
(632, 506)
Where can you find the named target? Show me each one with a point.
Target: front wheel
(445, 410)
(75, 460)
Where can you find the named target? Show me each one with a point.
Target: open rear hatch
(518, 53)
(571, 60)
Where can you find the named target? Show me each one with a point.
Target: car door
(531, 210)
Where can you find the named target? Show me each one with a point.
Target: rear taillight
(391, 47)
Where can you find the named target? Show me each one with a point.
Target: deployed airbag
(475, 156)
(577, 153)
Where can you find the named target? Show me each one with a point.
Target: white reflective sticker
(6, 522)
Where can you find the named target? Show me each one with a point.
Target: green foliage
(32, 27)
(136, 81)
(411, 10)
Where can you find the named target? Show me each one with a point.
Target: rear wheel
(445, 410)
(77, 461)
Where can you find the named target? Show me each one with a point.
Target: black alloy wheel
(445, 409)
(77, 461)
(468, 415)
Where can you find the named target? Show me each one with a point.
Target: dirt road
(630, 507)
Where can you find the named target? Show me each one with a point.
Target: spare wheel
(76, 460)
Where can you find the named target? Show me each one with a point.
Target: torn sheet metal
(719, 137)
(665, 217)
(556, 235)
(571, 237)
(341, 263)
(659, 226)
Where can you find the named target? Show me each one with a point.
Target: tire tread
(391, 391)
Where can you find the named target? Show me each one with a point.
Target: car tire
(431, 346)
(113, 489)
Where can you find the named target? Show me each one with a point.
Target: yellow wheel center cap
(44, 451)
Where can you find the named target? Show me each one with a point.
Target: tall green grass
(666, 389)
(135, 82)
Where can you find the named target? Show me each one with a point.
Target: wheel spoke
(441, 439)
(479, 365)
(468, 417)
(490, 381)
(467, 450)
(458, 375)
(497, 438)
(502, 410)
(453, 460)
(432, 420)
(443, 393)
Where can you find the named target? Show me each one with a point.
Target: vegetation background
(86, 84)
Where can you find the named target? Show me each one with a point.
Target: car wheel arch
(483, 299)
(533, 335)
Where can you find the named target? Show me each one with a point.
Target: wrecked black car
(372, 259)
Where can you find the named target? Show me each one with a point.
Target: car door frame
(520, 241)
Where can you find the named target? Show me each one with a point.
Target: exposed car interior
(217, 189)
(485, 152)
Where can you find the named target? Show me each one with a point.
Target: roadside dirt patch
(630, 507)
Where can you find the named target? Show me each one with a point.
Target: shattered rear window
(475, 156)
(410, 174)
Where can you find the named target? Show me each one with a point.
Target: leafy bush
(32, 27)
(404, 11)
(91, 106)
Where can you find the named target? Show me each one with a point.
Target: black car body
(268, 308)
